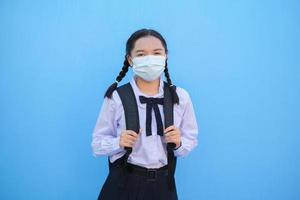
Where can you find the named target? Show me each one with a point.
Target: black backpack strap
(130, 109)
(131, 118)
(168, 106)
(169, 120)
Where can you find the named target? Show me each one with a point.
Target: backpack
(129, 103)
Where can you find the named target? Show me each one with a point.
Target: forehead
(148, 43)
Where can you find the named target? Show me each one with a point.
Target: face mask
(149, 67)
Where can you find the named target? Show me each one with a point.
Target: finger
(131, 140)
(170, 133)
(169, 140)
(173, 138)
(128, 135)
(131, 137)
(124, 144)
(129, 143)
(169, 128)
(168, 136)
(130, 132)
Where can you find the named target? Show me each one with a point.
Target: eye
(157, 53)
(140, 54)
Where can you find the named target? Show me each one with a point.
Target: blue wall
(239, 60)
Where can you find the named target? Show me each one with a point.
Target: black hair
(129, 46)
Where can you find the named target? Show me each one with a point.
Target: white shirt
(148, 151)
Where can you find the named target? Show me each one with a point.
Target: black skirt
(137, 187)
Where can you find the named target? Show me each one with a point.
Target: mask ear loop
(129, 58)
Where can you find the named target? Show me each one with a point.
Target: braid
(119, 78)
(172, 87)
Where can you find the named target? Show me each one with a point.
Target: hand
(172, 135)
(128, 138)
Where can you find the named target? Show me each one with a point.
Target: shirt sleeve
(188, 128)
(105, 140)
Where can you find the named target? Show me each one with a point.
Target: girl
(145, 125)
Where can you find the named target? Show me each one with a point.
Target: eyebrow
(140, 50)
(137, 51)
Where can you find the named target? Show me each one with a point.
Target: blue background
(239, 60)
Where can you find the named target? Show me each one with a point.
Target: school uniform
(148, 152)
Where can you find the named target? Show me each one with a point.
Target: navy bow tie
(153, 103)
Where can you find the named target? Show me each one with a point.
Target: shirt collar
(138, 92)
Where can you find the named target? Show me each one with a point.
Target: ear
(128, 57)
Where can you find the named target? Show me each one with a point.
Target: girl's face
(147, 46)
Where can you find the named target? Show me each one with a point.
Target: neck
(149, 88)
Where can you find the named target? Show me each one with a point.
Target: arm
(188, 129)
(105, 140)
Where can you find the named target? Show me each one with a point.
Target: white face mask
(149, 67)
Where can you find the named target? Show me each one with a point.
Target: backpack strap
(131, 111)
(130, 107)
(169, 120)
(132, 122)
(168, 106)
